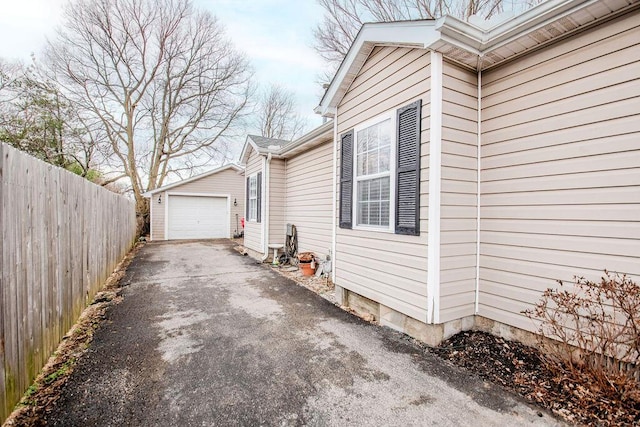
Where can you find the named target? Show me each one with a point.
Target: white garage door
(192, 217)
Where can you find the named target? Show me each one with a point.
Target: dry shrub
(590, 332)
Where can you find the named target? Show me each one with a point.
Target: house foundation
(429, 334)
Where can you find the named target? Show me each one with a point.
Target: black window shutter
(246, 218)
(408, 170)
(259, 195)
(346, 179)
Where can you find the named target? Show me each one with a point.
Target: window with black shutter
(380, 173)
(346, 179)
(247, 200)
(408, 170)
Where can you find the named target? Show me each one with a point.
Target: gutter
(265, 221)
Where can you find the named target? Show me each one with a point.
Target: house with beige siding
(477, 163)
(206, 206)
(289, 182)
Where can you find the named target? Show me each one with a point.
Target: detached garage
(206, 206)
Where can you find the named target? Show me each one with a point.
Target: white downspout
(265, 224)
(478, 166)
(334, 198)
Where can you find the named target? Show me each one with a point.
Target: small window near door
(253, 198)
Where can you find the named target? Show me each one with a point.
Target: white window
(253, 198)
(374, 179)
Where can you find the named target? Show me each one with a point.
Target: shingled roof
(265, 143)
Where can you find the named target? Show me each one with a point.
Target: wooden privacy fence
(62, 237)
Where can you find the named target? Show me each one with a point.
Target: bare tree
(343, 18)
(160, 77)
(277, 115)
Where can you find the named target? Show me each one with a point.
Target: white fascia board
(400, 33)
(307, 141)
(148, 194)
(484, 39)
(531, 19)
(480, 41)
(244, 154)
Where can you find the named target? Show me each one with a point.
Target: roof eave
(308, 140)
(418, 34)
(505, 37)
(465, 43)
(244, 154)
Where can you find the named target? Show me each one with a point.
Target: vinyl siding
(385, 267)
(458, 211)
(157, 216)
(252, 229)
(309, 182)
(560, 168)
(228, 183)
(276, 201)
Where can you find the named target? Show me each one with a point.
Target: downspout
(334, 197)
(478, 167)
(265, 223)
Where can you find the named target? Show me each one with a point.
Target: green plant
(61, 371)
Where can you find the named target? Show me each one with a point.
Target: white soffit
(550, 20)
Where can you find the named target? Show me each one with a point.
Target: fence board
(61, 238)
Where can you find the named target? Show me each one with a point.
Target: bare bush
(590, 332)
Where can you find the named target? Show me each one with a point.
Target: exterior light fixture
(235, 202)
(160, 199)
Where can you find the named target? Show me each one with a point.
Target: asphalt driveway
(207, 337)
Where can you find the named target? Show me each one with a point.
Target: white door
(194, 217)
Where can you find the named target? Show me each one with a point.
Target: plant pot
(306, 268)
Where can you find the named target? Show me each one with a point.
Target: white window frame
(391, 116)
(253, 213)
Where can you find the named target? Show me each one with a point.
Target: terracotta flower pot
(306, 268)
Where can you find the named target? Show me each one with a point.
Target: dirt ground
(522, 370)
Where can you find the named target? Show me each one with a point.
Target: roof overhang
(418, 34)
(307, 141)
(235, 167)
(246, 150)
(483, 48)
(470, 45)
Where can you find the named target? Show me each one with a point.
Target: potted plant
(307, 263)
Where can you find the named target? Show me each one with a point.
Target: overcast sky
(275, 34)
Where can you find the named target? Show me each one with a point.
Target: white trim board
(435, 187)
